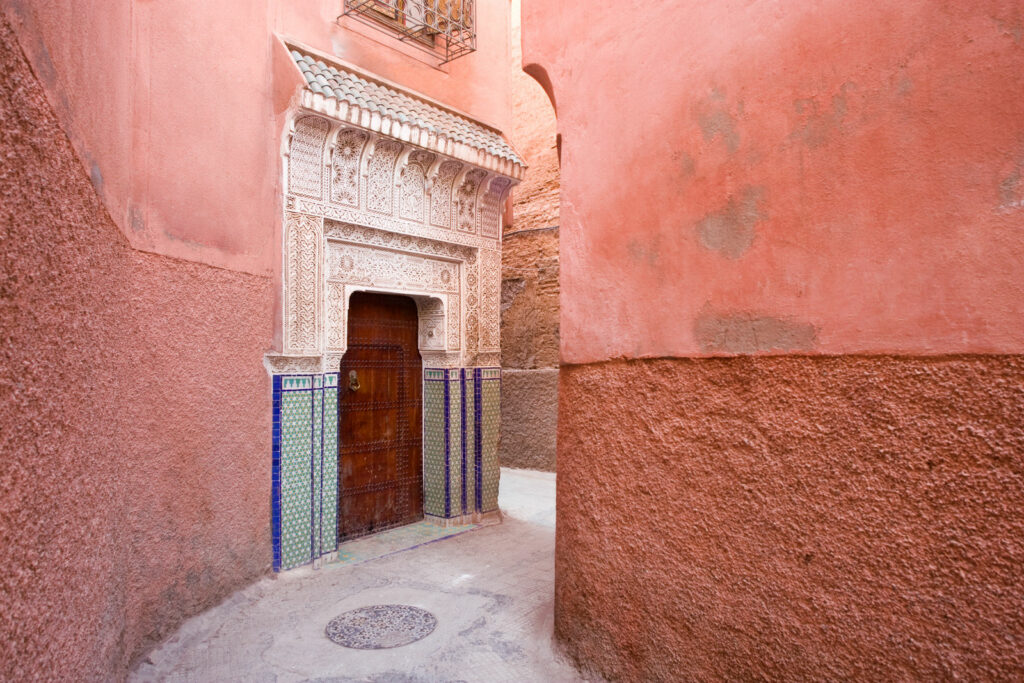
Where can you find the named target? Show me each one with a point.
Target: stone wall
(135, 413)
(529, 288)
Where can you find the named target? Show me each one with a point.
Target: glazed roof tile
(403, 116)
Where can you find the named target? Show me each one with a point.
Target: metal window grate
(442, 27)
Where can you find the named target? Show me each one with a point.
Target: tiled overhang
(343, 94)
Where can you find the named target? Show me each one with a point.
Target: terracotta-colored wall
(793, 518)
(135, 413)
(529, 287)
(828, 195)
(834, 177)
(176, 110)
(140, 268)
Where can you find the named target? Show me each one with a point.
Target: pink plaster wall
(141, 212)
(175, 109)
(824, 177)
(830, 194)
(134, 416)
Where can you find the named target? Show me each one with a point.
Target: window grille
(444, 27)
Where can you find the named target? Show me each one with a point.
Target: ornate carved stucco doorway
(385, 191)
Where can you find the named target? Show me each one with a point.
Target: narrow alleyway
(490, 589)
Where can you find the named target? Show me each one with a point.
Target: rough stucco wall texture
(793, 518)
(794, 181)
(529, 418)
(134, 487)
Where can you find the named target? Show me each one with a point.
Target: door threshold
(391, 541)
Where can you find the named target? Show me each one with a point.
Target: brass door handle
(353, 381)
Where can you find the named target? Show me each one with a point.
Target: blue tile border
(462, 440)
(275, 474)
(447, 448)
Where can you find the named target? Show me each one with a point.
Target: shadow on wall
(134, 491)
(529, 288)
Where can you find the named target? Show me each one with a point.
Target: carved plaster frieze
(441, 359)
(466, 201)
(390, 223)
(361, 258)
(490, 300)
(486, 360)
(432, 323)
(346, 157)
(280, 364)
(359, 234)
(303, 235)
(412, 186)
(441, 194)
(380, 172)
(490, 206)
(382, 269)
(367, 178)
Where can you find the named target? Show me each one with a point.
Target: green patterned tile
(433, 445)
(469, 412)
(296, 420)
(330, 489)
(490, 419)
(455, 441)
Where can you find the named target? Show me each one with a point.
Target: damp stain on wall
(751, 333)
(730, 230)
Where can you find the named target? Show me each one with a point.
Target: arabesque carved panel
(306, 157)
(348, 152)
(304, 254)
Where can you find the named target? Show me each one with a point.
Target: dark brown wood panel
(380, 457)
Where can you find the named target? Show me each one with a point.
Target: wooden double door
(380, 455)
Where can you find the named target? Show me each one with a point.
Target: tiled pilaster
(304, 468)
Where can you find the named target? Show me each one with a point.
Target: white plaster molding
(283, 364)
(380, 215)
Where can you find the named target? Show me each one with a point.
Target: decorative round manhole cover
(381, 626)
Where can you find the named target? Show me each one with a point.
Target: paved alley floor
(491, 589)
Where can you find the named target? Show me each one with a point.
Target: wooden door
(380, 457)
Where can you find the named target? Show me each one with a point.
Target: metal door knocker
(353, 381)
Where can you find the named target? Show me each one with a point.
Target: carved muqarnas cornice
(368, 102)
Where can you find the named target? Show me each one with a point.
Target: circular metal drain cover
(381, 626)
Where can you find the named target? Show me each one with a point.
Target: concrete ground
(491, 590)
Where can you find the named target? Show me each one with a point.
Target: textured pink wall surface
(825, 177)
(134, 417)
(792, 518)
(831, 195)
(176, 110)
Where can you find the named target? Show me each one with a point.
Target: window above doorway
(446, 28)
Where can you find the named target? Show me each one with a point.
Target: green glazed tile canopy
(348, 96)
